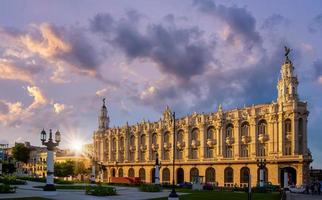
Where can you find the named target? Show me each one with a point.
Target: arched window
(181, 141)
(195, 134)
(229, 130)
(142, 149)
(210, 175)
(166, 175)
(229, 177)
(166, 137)
(120, 172)
(154, 138)
(194, 174)
(132, 140)
(245, 129)
(288, 126)
(211, 133)
(142, 174)
(262, 127)
(142, 139)
(244, 176)
(131, 172)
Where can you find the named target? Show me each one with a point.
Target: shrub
(100, 190)
(43, 180)
(11, 180)
(6, 188)
(149, 188)
(259, 190)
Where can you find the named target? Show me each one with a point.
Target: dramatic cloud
(11, 72)
(63, 49)
(316, 24)
(241, 24)
(39, 98)
(178, 52)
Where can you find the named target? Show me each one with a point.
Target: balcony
(155, 147)
(180, 145)
(132, 148)
(262, 138)
(143, 147)
(229, 140)
(211, 142)
(245, 139)
(194, 144)
(167, 146)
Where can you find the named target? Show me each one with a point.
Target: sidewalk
(124, 193)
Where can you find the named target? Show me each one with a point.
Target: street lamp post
(261, 163)
(173, 195)
(50, 144)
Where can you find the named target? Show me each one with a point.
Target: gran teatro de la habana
(223, 147)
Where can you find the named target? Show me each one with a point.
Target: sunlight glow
(77, 145)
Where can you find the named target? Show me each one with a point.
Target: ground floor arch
(131, 172)
(142, 174)
(291, 174)
(194, 173)
(180, 175)
(210, 175)
(152, 175)
(244, 176)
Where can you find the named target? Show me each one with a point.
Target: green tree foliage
(64, 169)
(21, 153)
(8, 168)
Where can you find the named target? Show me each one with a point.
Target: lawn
(66, 187)
(211, 195)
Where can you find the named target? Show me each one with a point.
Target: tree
(21, 153)
(80, 168)
(64, 169)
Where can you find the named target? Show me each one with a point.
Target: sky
(58, 59)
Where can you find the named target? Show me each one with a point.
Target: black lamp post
(173, 195)
(50, 144)
(261, 163)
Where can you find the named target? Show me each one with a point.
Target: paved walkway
(124, 193)
(293, 196)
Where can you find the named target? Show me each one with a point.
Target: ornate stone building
(221, 146)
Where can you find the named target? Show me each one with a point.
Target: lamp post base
(173, 195)
(49, 187)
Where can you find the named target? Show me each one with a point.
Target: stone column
(110, 148)
(219, 135)
(295, 126)
(186, 139)
(305, 150)
(137, 152)
(202, 138)
(253, 135)
(281, 135)
(126, 147)
(117, 154)
(236, 136)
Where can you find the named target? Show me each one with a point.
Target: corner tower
(287, 84)
(103, 119)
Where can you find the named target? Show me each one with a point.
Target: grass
(210, 195)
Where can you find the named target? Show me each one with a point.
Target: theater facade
(223, 147)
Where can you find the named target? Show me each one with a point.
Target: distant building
(222, 146)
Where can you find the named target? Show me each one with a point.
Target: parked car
(294, 189)
(186, 185)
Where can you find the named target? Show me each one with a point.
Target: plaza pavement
(293, 196)
(124, 193)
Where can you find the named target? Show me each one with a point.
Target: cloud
(316, 24)
(9, 71)
(58, 108)
(178, 51)
(274, 21)
(39, 98)
(43, 46)
(242, 25)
